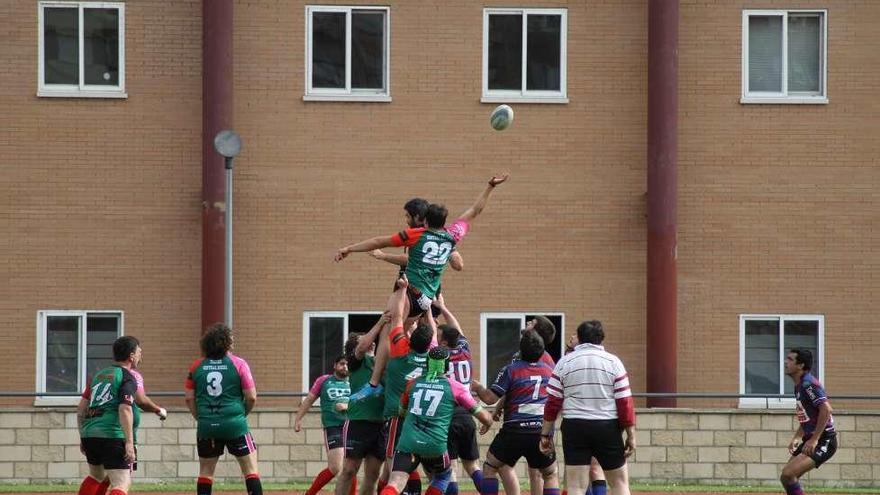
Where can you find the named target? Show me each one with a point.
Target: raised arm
(456, 262)
(367, 339)
(471, 213)
(440, 303)
(400, 259)
(367, 245)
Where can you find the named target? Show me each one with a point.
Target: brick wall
(674, 446)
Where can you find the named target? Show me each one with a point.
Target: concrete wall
(720, 446)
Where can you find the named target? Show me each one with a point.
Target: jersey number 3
(215, 387)
(436, 254)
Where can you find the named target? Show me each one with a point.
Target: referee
(591, 388)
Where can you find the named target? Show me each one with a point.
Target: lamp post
(228, 144)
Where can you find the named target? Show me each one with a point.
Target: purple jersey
(460, 364)
(524, 387)
(810, 395)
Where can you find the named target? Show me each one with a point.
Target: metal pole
(228, 295)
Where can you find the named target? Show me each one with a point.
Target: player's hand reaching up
(341, 254)
(499, 179)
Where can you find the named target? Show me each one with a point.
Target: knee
(787, 477)
(549, 473)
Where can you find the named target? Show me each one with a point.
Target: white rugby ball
(501, 117)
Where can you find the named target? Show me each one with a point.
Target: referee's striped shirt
(590, 383)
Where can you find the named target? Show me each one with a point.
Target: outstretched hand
(340, 255)
(499, 179)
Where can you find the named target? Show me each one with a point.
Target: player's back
(398, 372)
(526, 394)
(427, 260)
(108, 388)
(370, 408)
(429, 408)
(219, 396)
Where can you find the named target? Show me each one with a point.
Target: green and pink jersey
(219, 385)
(110, 387)
(331, 390)
(369, 409)
(429, 405)
(428, 253)
(403, 365)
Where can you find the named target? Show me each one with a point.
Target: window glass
(62, 354)
(328, 50)
(61, 45)
(803, 334)
(502, 341)
(367, 49)
(762, 361)
(505, 51)
(543, 53)
(326, 337)
(101, 46)
(804, 49)
(102, 331)
(765, 53)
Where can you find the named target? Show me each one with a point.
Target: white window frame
(80, 90)
(306, 334)
(524, 95)
(348, 93)
(484, 319)
(787, 402)
(784, 97)
(82, 337)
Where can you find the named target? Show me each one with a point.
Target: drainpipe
(216, 115)
(662, 311)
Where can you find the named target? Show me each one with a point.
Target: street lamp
(228, 144)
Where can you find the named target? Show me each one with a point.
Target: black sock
(203, 487)
(252, 482)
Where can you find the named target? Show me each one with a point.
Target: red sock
(415, 476)
(102, 488)
(564, 492)
(89, 486)
(433, 490)
(390, 490)
(321, 479)
(354, 486)
(117, 491)
(380, 485)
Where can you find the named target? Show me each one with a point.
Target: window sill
(553, 100)
(755, 403)
(56, 401)
(784, 100)
(354, 98)
(48, 93)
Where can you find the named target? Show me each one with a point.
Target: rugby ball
(501, 117)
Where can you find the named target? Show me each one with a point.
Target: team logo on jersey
(337, 393)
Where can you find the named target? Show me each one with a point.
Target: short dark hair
(436, 216)
(217, 341)
(420, 339)
(123, 347)
(803, 356)
(591, 332)
(449, 334)
(546, 329)
(417, 207)
(350, 345)
(340, 357)
(531, 346)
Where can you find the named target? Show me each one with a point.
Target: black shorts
(825, 448)
(239, 447)
(333, 437)
(509, 445)
(407, 463)
(462, 440)
(586, 438)
(107, 452)
(391, 431)
(362, 438)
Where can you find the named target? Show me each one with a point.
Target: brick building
(348, 110)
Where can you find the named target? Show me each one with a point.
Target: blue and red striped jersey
(524, 387)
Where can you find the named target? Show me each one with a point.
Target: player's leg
(333, 447)
(372, 468)
(577, 438)
(120, 481)
(117, 468)
(536, 482)
(468, 451)
(509, 479)
(440, 471)
(796, 467)
(345, 480)
(544, 464)
(402, 465)
(94, 459)
(245, 451)
(598, 485)
(491, 468)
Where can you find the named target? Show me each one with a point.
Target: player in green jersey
(220, 393)
(333, 391)
(106, 421)
(428, 404)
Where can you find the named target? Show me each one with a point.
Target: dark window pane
(804, 54)
(62, 354)
(328, 50)
(101, 331)
(543, 69)
(367, 50)
(555, 348)
(502, 341)
(762, 362)
(361, 322)
(101, 46)
(325, 343)
(505, 52)
(803, 334)
(765, 53)
(61, 45)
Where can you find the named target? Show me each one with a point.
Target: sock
(389, 490)
(117, 491)
(204, 485)
(451, 488)
(89, 486)
(354, 486)
(253, 484)
(794, 489)
(414, 485)
(102, 488)
(433, 490)
(564, 492)
(380, 485)
(321, 479)
(589, 490)
(489, 486)
(477, 477)
(599, 487)
(551, 491)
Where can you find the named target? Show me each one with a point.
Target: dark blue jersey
(524, 387)
(810, 395)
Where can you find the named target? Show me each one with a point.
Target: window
(524, 55)
(784, 56)
(500, 332)
(81, 49)
(71, 346)
(347, 53)
(325, 332)
(764, 342)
